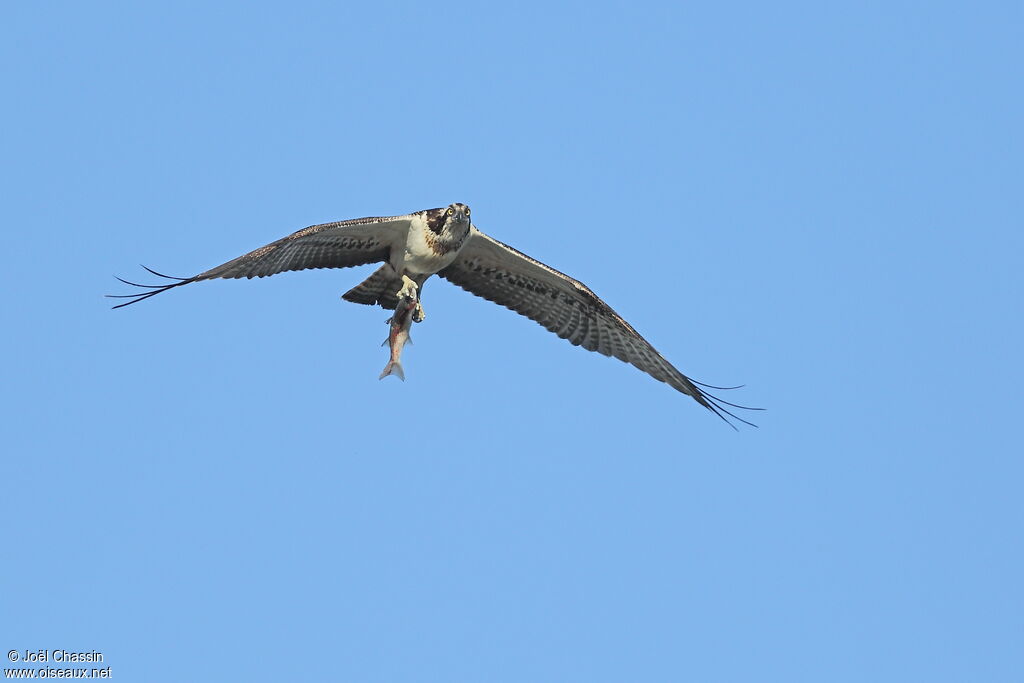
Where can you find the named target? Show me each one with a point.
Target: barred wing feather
(499, 273)
(329, 245)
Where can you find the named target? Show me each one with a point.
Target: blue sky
(822, 202)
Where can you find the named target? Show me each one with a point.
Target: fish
(398, 336)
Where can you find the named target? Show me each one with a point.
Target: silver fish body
(398, 336)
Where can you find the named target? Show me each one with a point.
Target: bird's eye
(467, 210)
(450, 212)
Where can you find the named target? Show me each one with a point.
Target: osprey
(444, 242)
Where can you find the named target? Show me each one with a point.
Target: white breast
(420, 258)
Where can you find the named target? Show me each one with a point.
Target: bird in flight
(446, 243)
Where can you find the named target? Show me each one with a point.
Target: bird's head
(457, 213)
(453, 220)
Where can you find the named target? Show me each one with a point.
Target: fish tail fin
(393, 368)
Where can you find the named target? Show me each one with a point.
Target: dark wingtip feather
(717, 406)
(168, 277)
(156, 289)
(712, 386)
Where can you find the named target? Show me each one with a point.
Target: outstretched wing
(328, 245)
(499, 273)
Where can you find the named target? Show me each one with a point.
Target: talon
(409, 289)
(418, 315)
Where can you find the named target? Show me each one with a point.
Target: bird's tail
(393, 368)
(379, 288)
